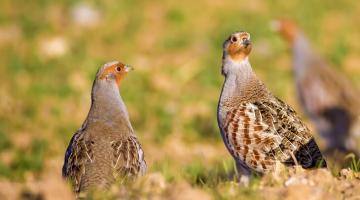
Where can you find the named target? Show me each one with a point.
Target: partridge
(258, 129)
(329, 99)
(105, 148)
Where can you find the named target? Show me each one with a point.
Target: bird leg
(244, 173)
(294, 158)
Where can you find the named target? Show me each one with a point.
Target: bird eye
(233, 39)
(118, 69)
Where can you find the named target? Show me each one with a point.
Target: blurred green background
(51, 50)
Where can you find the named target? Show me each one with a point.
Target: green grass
(5, 142)
(29, 160)
(354, 162)
(210, 176)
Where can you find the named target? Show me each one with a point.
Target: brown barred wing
(128, 157)
(78, 154)
(307, 153)
(263, 132)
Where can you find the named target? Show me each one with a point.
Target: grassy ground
(49, 56)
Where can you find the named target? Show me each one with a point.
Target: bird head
(287, 28)
(113, 71)
(238, 46)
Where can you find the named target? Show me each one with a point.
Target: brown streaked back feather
(127, 161)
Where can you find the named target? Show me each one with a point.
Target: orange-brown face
(238, 46)
(115, 70)
(286, 28)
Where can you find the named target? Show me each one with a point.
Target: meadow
(51, 50)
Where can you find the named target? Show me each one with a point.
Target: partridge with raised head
(105, 147)
(258, 129)
(327, 96)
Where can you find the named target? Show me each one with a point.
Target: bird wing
(263, 132)
(128, 157)
(78, 154)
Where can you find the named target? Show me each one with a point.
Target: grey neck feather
(107, 105)
(237, 75)
(303, 55)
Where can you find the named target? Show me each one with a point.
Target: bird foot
(244, 180)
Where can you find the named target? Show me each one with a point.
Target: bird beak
(246, 42)
(128, 68)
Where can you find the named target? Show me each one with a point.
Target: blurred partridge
(329, 99)
(105, 147)
(258, 129)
